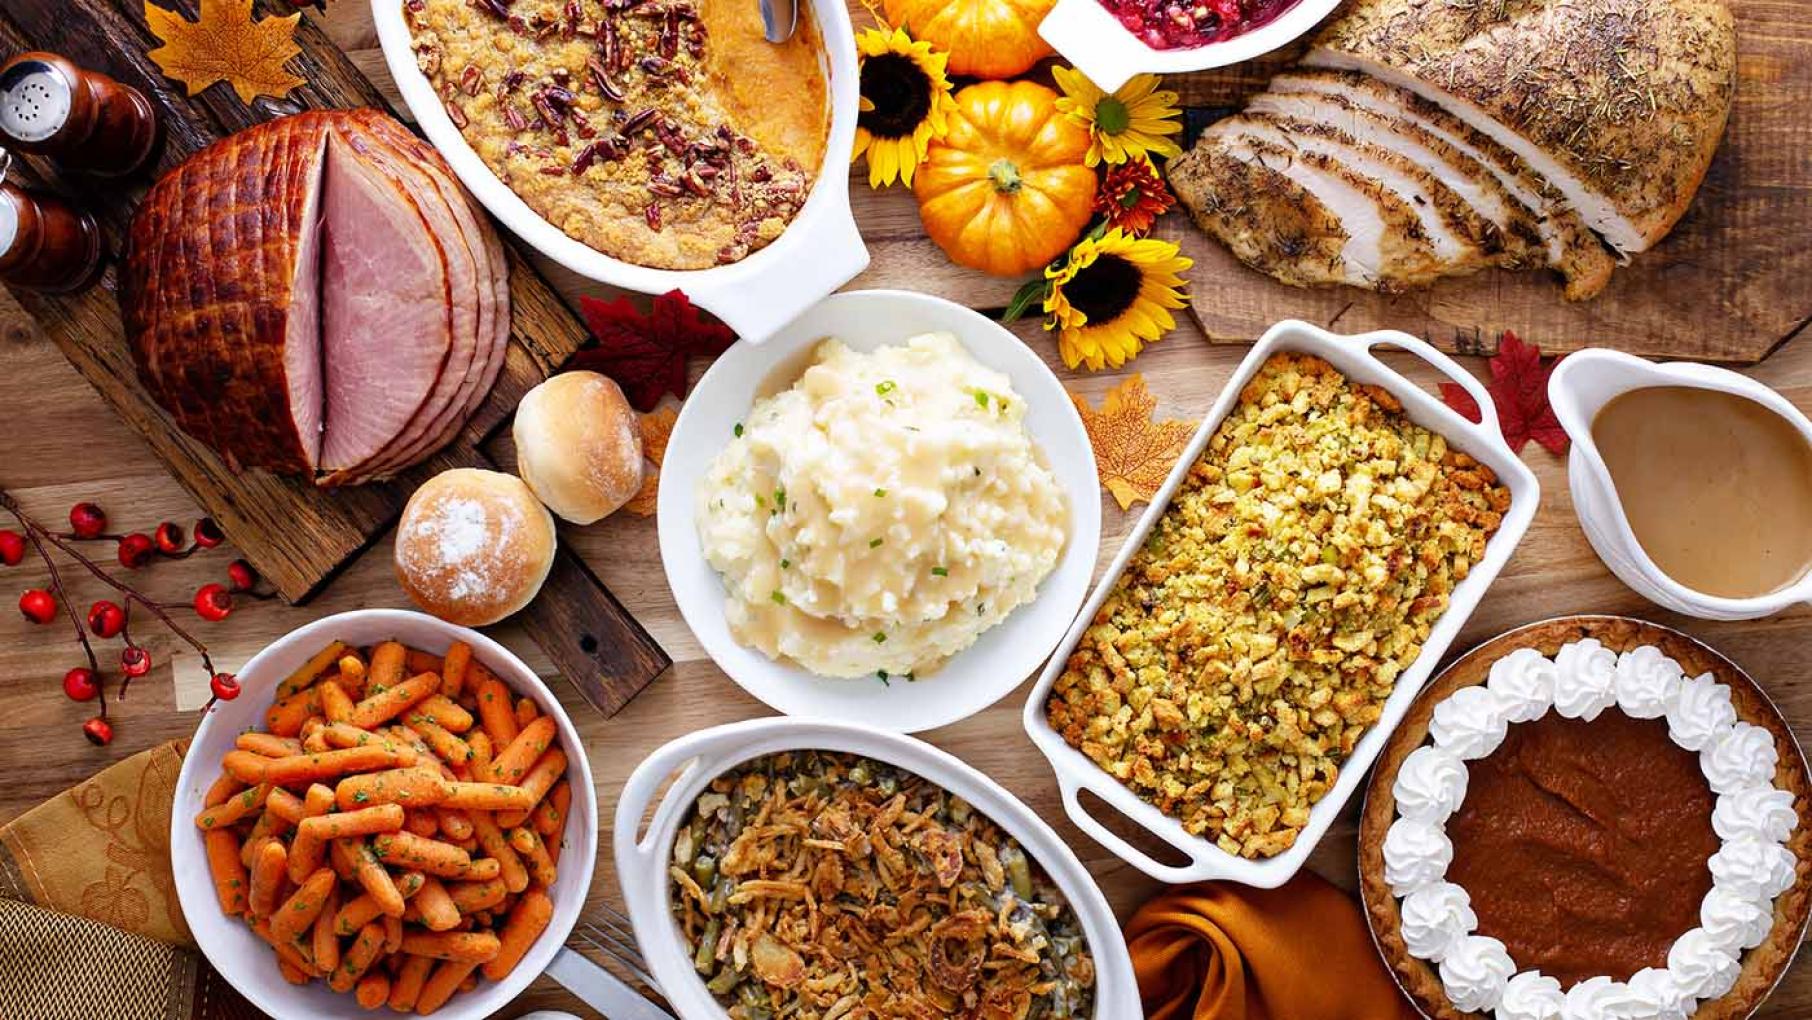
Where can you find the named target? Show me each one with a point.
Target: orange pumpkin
(1006, 190)
(985, 38)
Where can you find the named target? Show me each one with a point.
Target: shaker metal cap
(35, 100)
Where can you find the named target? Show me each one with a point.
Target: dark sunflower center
(900, 92)
(1105, 290)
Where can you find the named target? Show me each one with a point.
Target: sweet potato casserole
(667, 133)
(822, 885)
(1258, 632)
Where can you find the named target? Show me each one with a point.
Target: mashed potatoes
(879, 515)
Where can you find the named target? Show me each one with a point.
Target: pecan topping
(514, 118)
(498, 8)
(639, 120)
(471, 80)
(601, 78)
(652, 214)
(457, 116)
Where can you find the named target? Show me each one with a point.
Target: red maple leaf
(646, 352)
(1519, 388)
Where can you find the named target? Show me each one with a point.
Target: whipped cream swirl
(1703, 968)
(1524, 682)
(1430, 785)
(1738, 757)
(1700, 711)
(1647, 681)
(1434, 918)
(1415, 854)
(1656, 993)
(1760, 811)
(1752, 868)
(1471, 723)
(1735, 921)
(1531, 995)
(1598, 998)
(1584, 679)
(1475, 971)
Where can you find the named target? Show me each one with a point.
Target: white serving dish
(1353, 356)
(1581, 385)
(643, 853)
(820, 251)
(229, 944)
(1092, 39)
(1004, 656)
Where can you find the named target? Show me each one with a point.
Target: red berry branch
(107, 619)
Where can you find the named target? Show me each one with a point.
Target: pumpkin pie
(1589, 818)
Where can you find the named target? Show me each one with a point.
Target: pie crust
(1762, 967)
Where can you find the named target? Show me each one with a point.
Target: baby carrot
(407, 850)
(417, 661)
(530, 744)
(315, 832)
(388, 660)
(284, 805)
(305, 675)
(437, 908)
(492, 841)
(526, 712)
(495, 712)
(291, 973)
(441, 709)
(372, 876)
(352, 675)
(471, 897)
(526, 922)
(547, 770)
(422, 822)
(476, 946)
(454, 823)
(345, 734)
(325, 943)
(453, 670)
(239, 806)
(482, 870)
(310, 768)
(221, 789)
(372, 991)
(288, 950)
(441, 984)
(415, 786)
(305, 904)
(393, 932)
(550, 814)
(408, 984)
(358, 957)
(487, 797)
(527, 842)
(482, 753)
(246, 768)
(230, 878)
(267, 877)
(268, 744)
(390, 702)
(268, 826)
(447, 746)
(336, 704)
(286, 716)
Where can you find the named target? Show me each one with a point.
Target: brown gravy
(1717, 487)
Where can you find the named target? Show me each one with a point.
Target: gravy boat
(1581, 385)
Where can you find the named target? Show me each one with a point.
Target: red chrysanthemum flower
(1132, 196)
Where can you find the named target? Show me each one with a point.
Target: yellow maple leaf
(657, 427)
(226, 45)
(1133, 452)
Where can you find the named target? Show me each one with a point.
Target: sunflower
(1133, 196)
(1111, 298)
(905, 104)
(1131, 122)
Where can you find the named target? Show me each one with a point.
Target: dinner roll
(473, 546)
(579, 445)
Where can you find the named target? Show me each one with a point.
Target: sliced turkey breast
(1268, 220)
(1386, 246)
(1619, 103)
(386, 309)
(1572, 248)
(1460, 236)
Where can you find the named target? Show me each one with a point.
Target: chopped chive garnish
(879, 637)
(881, 675)
(885, 387)
(939, 572)
(738, 430)
(780, 498)
(981, 398)
(785, 564)
(880, 493)
(779, 597)
(876, 544)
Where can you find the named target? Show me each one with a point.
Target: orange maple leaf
(226, 45)
(657, 427)
(1133, 452)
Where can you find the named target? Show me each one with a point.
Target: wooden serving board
(297, 535)
(1731, 283)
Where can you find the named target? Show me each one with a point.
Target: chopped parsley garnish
(738, 430)
(939, 572)
(780, 498)
(779, 597)
(885, 387)
(880, 493)
(881, 675)
(785, 564)
(879, 637)
(876, 544)
(981, 399)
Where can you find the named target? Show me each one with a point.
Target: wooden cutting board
(1731, 283)
(296, 534)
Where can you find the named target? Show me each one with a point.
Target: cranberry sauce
(1184, 24)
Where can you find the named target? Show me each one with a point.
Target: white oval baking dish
(1581, 385)
(241, 956)
(642, 854)
(1094, 40)
(1353, 356)
(820, 250)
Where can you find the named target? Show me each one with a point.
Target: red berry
(241, 575)
(135, 661)
(38, 605)
(99, 731)
(169, 538)
(208, 534)
(87, 520)
(81, 684)
(106, 619)
(225, 686)
(135, 549)
(213, 602)
(12, 548)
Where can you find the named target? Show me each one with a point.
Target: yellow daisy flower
(1132, 122)
(1112, 297)
(905, 104)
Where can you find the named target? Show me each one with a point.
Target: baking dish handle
(826, 255)
(1070, 785)
(1487, 428)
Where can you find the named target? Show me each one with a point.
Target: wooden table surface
(60, 444)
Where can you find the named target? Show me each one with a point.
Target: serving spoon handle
(780, 18)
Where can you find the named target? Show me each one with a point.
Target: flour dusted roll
(579, 446)
(473, 546)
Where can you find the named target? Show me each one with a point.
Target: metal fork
(609, 933)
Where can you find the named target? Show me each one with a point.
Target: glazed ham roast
(1425, 138)
(317, 295)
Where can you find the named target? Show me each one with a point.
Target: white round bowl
(244, 959)
(642, 854)
(1002, 657)
(820, 250)
(1092, 39)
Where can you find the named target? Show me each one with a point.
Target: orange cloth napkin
(1220, 951)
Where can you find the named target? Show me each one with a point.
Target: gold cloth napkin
(90, 928)
(1220, 951)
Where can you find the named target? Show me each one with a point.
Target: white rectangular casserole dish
(1353, 357)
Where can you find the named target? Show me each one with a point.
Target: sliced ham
(316, 294)
(1620, 104)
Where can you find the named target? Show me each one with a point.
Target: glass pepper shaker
(82, 119)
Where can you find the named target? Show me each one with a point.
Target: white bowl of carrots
(394, 814)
